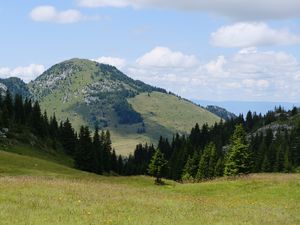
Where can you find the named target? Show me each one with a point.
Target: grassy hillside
(171, 112)
(89, 93)
(163, 114)
(36, 191)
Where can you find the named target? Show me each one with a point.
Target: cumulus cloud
(239, 10)
(165, 57)
(26, 73)
(117, 62)
(48, 13)
(249, 74)
(241, 35)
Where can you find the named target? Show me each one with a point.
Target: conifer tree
(19, 110)
(219, 169)
(114, 161)
(207, 163)
(266, 166)
(105, 138)
(67, 137)
(157, 166)
(98, 149)
(187, 170)
(84, 155)
(120, 165)
(238, 158)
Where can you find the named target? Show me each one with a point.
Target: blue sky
(241, 50)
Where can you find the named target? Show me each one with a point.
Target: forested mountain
(93, 94)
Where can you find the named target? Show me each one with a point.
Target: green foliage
(207, 163)
(238, 158)
(126, 113)
(157, 166)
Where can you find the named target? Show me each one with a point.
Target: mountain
(221, 112)
(238, 107)
(89, 93)
(15, 86)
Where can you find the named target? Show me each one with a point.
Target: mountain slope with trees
(15, 86)
(93, 94)
(269, 143)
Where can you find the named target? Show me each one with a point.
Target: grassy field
(36, 191)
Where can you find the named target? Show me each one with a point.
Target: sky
(210, 50)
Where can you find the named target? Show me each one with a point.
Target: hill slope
(221, 112)
(36, 191)
(15, 86)
(96, 94)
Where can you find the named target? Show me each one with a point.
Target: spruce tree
(67, 137)
(157, 166)
(98, 150)
(187, 170)
(207, 163)
(219, 169)
(237, 158)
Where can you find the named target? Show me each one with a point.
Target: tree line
(228, 148)
(93, 154)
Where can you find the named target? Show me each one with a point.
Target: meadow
(36, 191)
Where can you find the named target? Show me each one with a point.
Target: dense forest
(93, 154)
(238, 146)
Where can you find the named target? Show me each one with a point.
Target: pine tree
(157, 166)
(238, 158)
(98, 150)
(114, 161)
(19, 113)
(187, 170)
(67, 137)
(212, 161)
(105, 138)
(120, 165)
(84, 155)
(207, 163)
(37, 122)
(287, 165)
(53, 127)
(266, 166)
(219, 169)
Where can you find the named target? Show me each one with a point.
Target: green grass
(35, 191)
(171, 112)
(37, 152)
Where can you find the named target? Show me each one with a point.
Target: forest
(229, 148)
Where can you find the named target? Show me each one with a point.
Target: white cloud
(26, 73)
(117, 62)
(164, 57)
(247, 75)
(236, 9)
(48, 13)
(215, 67)
(241, 35)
